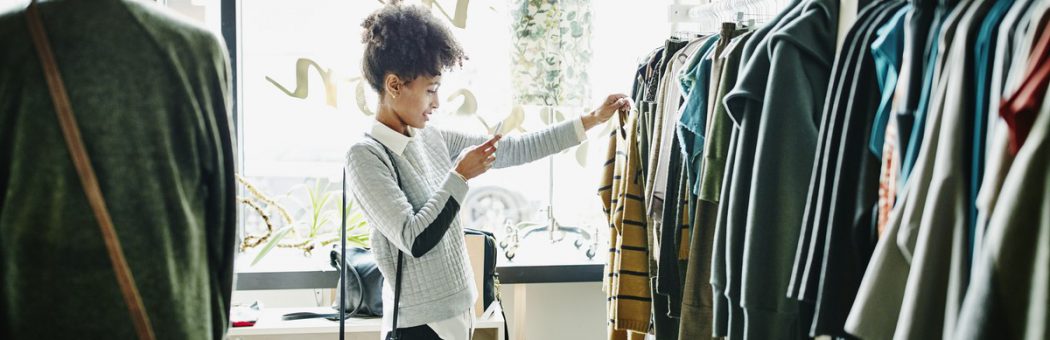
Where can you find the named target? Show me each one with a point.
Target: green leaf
(322, 221)
(274, 240)
(354, 219)
(577, 30)
(360, 240)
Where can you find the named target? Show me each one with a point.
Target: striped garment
(627, 272)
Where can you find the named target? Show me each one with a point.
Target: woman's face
(416, 100)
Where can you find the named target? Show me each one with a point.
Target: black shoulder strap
(394, 334)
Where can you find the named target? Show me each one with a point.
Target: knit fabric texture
(439, 284)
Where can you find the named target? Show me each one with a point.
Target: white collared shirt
(393, 140)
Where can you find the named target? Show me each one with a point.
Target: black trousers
(421, 332)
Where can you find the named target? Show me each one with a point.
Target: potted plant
(316, 225)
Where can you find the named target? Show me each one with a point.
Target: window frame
(509, 274)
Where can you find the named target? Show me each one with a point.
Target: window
(303, 102)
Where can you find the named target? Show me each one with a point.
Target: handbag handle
(88, 180)
(357, 276)
(342, 261)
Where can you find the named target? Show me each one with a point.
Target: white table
(271, 327)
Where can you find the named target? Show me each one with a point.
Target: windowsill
(507, 274)
(286, 268)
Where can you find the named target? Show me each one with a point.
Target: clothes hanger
(728, 14)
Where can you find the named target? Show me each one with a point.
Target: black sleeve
(433, 233)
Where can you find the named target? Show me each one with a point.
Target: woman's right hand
(478, 159)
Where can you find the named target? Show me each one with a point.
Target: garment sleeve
(521, 149)
(433, 233)
(219, 171)
(387, 208)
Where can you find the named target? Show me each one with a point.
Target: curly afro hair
(408, 41)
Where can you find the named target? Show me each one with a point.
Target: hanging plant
(552, 40)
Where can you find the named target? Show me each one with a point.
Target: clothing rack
(697, 179)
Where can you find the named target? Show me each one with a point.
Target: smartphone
(497, 131)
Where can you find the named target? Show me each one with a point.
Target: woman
(410, 180)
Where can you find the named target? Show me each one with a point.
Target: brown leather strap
(87, 175)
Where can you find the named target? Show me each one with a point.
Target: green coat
(151, 95)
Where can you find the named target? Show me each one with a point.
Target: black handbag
(490, 279)
(365, 294)
(490, 291)
(363, 290)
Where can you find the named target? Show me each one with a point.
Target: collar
(393, 140)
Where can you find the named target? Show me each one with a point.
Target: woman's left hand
(612, 104)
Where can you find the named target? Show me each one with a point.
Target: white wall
(553, 311)
(558, 311)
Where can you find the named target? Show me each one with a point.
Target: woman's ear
(392, 85)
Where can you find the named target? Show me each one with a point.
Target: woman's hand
(478, 159)
(612, 104)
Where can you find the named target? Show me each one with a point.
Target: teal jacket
(151, 95)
